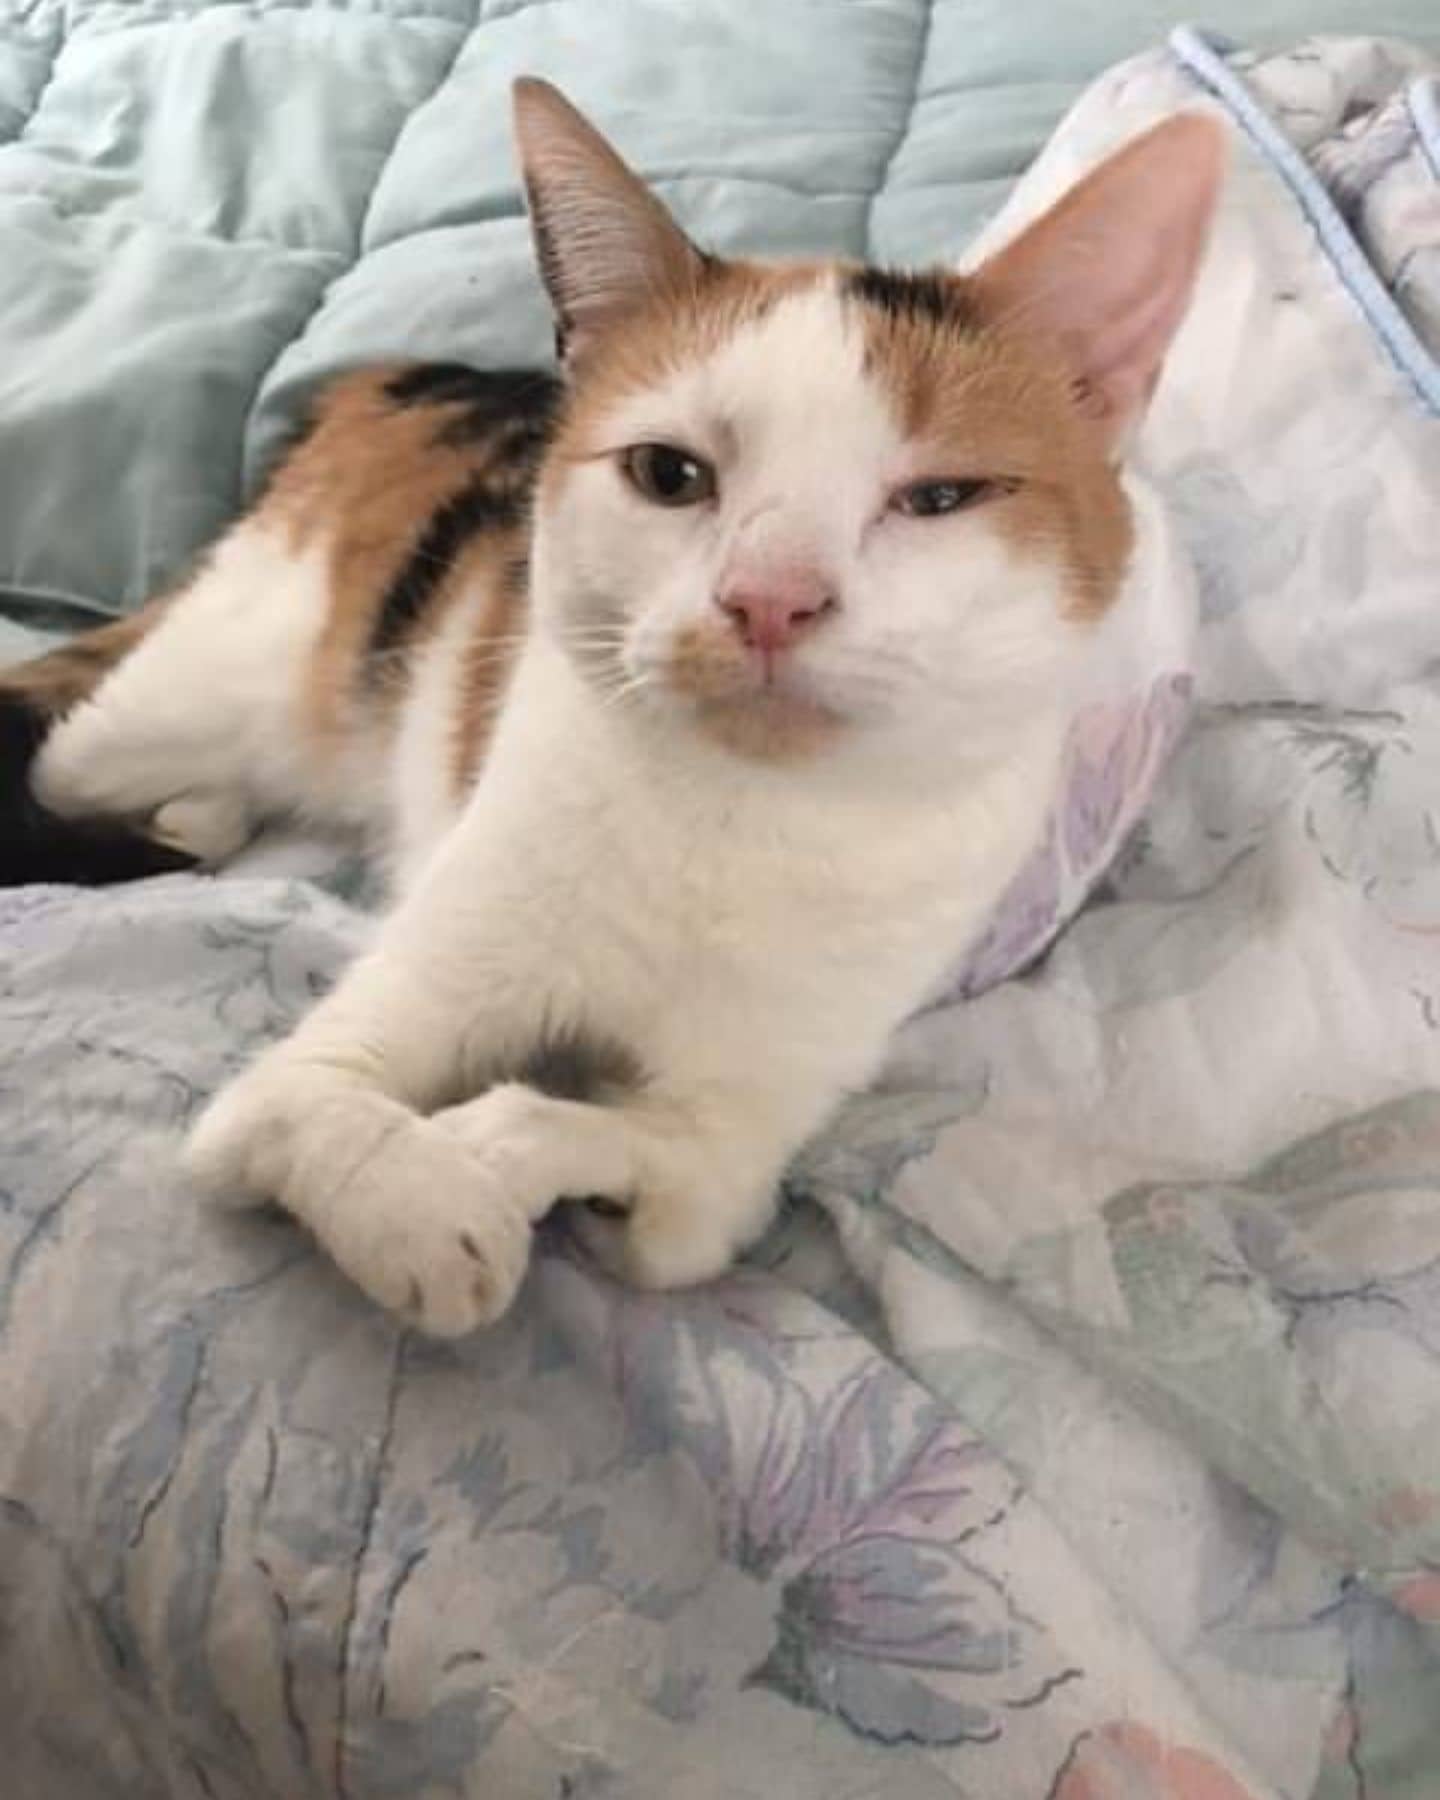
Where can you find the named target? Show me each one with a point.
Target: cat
(701, 701)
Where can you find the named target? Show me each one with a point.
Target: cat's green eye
(668, 475)
(931, 499)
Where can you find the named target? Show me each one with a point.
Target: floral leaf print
(841, 1480)
(907, 1640)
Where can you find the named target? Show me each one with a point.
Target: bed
(1076, 1433)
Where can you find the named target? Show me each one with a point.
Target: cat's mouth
(757, 704)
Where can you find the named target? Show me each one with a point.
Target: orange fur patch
(490, 652)
(645, 348)
(987, 402)
(365, 482)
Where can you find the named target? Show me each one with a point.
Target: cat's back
(407, 476)
(339, 655)
(411, 485)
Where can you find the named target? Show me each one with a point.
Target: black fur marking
(512, 451)
(513, 417)
(36, 845)
(436, 384)
(492, 398)
(576, 1064)
(927, 295)
(478, 506)
(604, 1207)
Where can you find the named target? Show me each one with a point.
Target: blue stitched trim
(1423, 98)
(1202, 56)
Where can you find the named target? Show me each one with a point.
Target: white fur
(206, 710)
(751, 933)
(753, 945)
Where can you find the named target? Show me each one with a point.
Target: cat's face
(817, 502)
(796, 505)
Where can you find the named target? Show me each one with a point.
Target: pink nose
(770, 614)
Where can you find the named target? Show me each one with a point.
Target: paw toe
(447, 1265)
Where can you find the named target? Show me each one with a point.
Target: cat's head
(796, 504)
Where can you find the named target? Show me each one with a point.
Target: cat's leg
(198, 729)
(431, 1228)
(431, 1216)
(428, 1205)
(675, 1187)
(332, 1123)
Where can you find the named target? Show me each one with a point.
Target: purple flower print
(844, 1483)
(898, 1629)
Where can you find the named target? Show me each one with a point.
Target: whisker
(617, 694)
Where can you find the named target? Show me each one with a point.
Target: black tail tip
(38, 846)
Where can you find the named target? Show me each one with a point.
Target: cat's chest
(625, 887)
(710, 908)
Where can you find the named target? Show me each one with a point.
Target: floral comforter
(1077, 1434)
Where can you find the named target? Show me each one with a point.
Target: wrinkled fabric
(1076, 1434)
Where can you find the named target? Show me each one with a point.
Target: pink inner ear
(1108, 272)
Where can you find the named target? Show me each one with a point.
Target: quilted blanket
(1076, 1436)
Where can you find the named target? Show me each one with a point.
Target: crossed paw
(408, 1211)
(432, 1217)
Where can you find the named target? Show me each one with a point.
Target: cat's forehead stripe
(920, 331)
(927, 296)
(985, 402)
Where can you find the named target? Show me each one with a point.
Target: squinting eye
(928, 499)
(668, 475)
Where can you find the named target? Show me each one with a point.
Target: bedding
(1077, 1433)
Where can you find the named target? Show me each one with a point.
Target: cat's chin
(768, 724)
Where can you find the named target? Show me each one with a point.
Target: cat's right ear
(605, 244)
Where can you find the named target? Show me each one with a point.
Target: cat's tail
(35, 843)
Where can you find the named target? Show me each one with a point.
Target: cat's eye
(668, 475)
(931, 499)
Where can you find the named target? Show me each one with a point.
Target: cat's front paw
(660, 1242)
(240, 1151)
(426, 1230)
(402, 1206)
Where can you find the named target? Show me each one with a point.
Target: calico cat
(701, 702)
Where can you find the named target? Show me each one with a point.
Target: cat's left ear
(605, 244)
(1107, 274)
